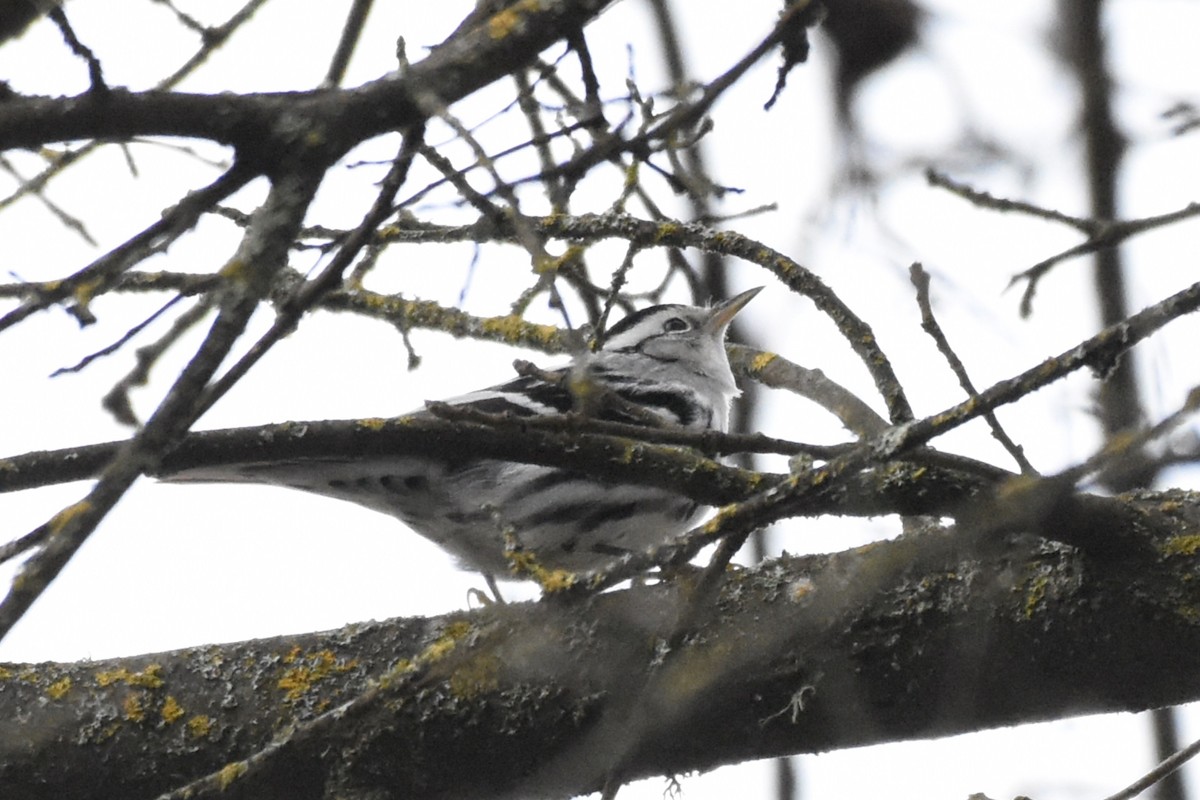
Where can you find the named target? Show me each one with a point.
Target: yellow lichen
(233, 269)
(458, 628)
(1035, 595)
(373, 423)
(64, 517)
(557, 580)
(632, 175)
(1181, 545)
(311, 669)
(298, 680)
(438, 650)
(525, 564)
(134, 708)
(85, 291)
(761, 361)
(199, 726)
(58, 690)
(149, 678)
(171, 710)
(521, 562)
(713, 526)
(1191, 614)
(230, 773)
(444, 644)
(5, 673)
(512, 328)
(754, 480)
(544, 264)
(402, 667)
(477, 676)
(108, 677)
(503, 23)
(666, 230)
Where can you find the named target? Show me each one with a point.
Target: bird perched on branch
(663, 365)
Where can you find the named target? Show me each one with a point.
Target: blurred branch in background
(1084, 49)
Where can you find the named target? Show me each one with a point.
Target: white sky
(175, 566)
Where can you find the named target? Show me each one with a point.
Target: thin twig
(116, 401)
(312, 291)
(95, 72)
(69, 221)
(1125, 449)
(685, 115)
(929, 323)
(356, 20)
(115, 346)
(1164, 768)
(1106, 235)
(1102, 234)
(98, 276)
(540, 141)
(987, 200)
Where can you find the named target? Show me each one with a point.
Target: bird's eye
(676, 325)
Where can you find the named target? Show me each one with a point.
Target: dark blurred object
(796, 18)
(1184, 117)
(16, 15)
(867, 34)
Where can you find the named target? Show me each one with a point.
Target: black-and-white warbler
(666, 361)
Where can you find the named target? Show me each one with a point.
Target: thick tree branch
(263, 127)
(930, 483)
(922, 636)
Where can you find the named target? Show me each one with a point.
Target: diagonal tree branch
(264, 250)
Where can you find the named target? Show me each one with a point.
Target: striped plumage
(667, 360)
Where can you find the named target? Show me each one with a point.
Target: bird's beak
(723, 313)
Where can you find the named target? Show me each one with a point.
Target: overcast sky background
(176, 566)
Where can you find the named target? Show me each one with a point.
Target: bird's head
(678, 342)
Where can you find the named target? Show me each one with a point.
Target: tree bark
(931, 634)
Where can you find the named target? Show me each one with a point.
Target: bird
(665, 364)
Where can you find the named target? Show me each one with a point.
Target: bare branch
(920, 279)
